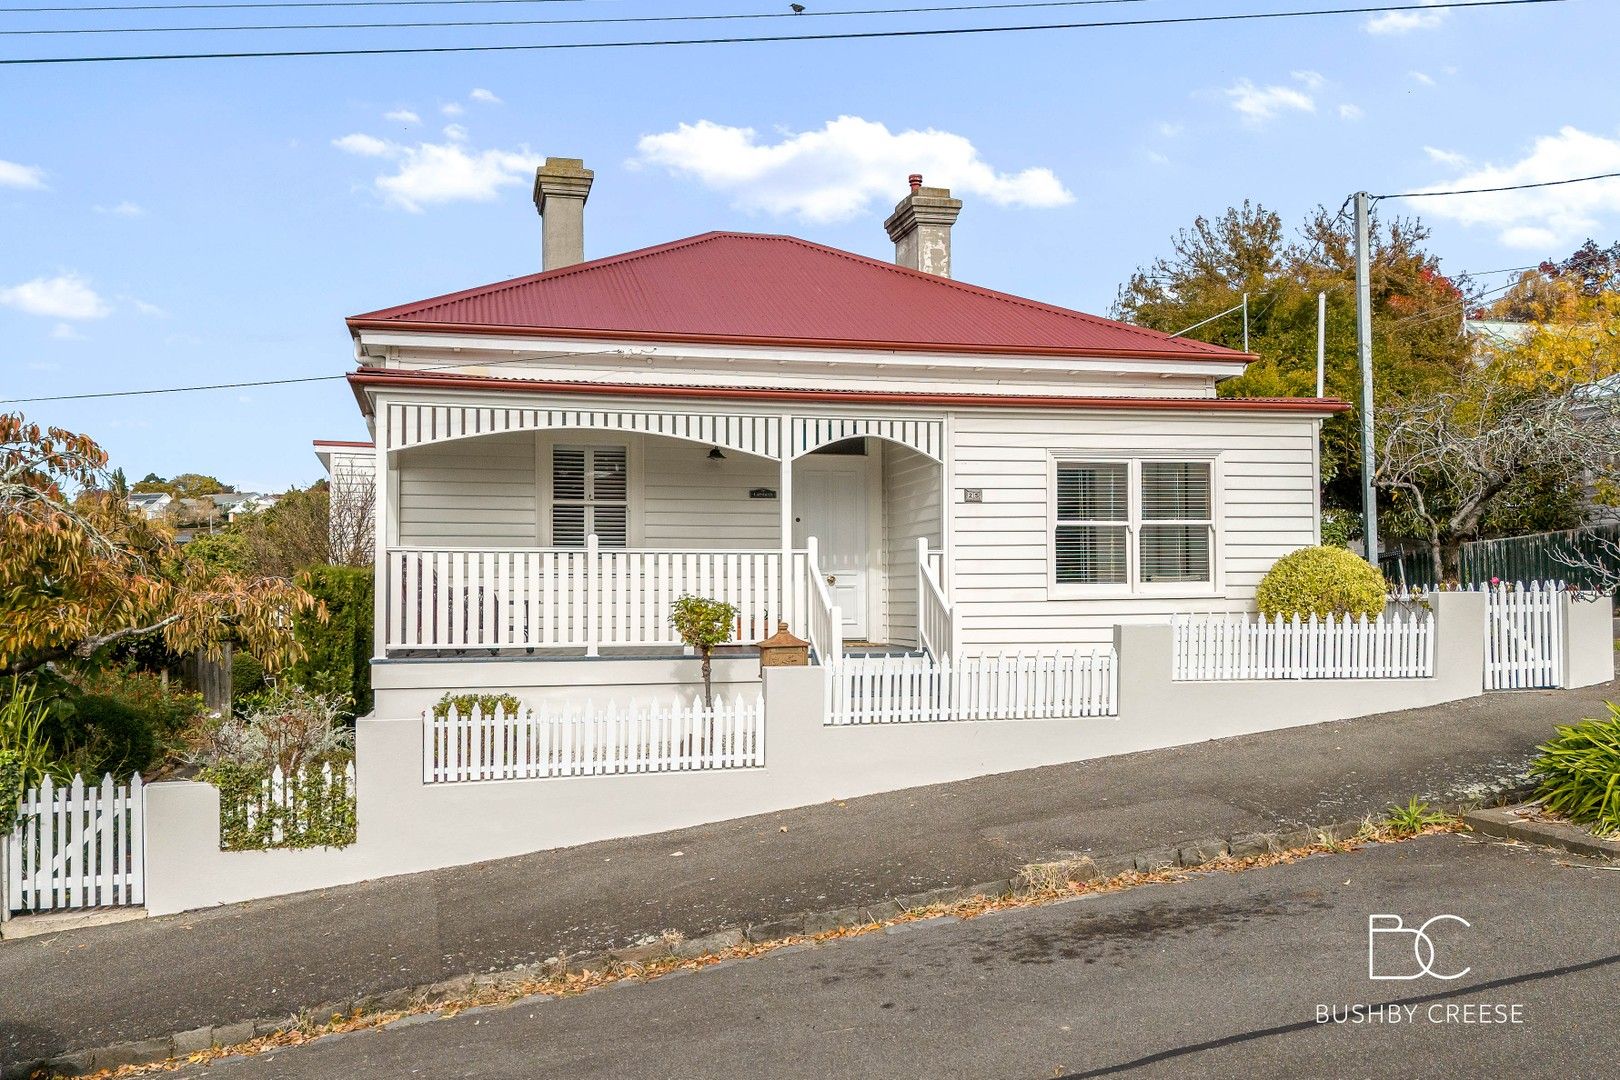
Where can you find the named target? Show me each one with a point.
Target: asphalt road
(87, 988)
(1221, 975)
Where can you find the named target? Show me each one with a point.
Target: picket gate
(77, 846)
(998, 686)
(593, 741)
(1524, 635)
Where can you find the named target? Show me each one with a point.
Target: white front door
(830, 504)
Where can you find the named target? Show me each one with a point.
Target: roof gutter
(360, 381)
(356, 325)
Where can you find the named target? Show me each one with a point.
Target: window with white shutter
(590, 489)
(1129, 525)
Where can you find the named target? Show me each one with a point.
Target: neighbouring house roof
(752, 289)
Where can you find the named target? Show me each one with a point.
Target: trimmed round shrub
(1321, 581)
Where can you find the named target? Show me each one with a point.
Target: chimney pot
(921, 228)
(561, 187)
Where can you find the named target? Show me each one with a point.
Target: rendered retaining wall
(407, 826)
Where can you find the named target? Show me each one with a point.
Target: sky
(174, 223)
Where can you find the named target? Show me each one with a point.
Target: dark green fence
(1587, 558)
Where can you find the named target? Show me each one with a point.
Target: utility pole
(1321, 343)
(1245, 322)
(1369, 503)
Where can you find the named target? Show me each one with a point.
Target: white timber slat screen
(1524, 635)
(77, 846)
(1396, 645)
(584, 597)
(280, 791)
(593, 741)
(916, 689)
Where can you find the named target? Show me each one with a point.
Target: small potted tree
(703, 623)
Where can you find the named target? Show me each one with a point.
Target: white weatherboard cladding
(1265, 499)
(925, 435)
(480, 492)
(688, 500)
(911, 509)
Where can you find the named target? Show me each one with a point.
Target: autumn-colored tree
(79, 570)
(1416, 313)
(1570, 311)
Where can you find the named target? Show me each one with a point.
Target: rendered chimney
(561, 187)
(921, 228)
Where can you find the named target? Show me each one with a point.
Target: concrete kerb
(426, 1002)
(1515, 823)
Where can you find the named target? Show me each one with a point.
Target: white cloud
(1169, 130)
(66, 332)
(123, 209)
(66, 296)
(1157, 158)
(1540, 219)
(1448, 158)
(1312, 79)
(450, 108)
(1258, 104)
(486, 96)
(837, 171)
(1404, 22)
(364, 145)
(428, 173)
(15, 175)
(1348, 111)
(1422, 78)
(402, 116)
(149, 310)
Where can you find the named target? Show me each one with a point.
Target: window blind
(1176, 522)
(1093, 522)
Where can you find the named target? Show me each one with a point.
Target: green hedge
(321, 812)
(338, 652)
(11, 791)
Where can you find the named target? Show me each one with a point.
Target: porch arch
(811, 433)
(416, 424)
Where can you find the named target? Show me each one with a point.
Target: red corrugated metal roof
(745, 288)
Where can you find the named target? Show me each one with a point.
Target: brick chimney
(561, 187)
(921, 228)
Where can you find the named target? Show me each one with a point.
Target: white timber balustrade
(1396, 645)
(593, 741)
(823, 617)
(77, 846)
(578, 598)
(1003, 686)
(937, 629)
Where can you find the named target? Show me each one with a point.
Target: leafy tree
(317, 526)
(82, 572)
(1416, 311)
(703, 623)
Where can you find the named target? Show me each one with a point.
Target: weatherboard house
(884, 458)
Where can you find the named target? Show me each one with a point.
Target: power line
(852, 35)
(269, 382)
(588, 20)
(275, 4)
(1505, 187)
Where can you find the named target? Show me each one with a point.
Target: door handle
(832, 579)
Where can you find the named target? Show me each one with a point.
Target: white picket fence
(592, 741)
(77, 846)
(917, 689)
(280, 798)
(1396, 645)
(1524, 635)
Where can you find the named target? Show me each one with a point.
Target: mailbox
(782, 649)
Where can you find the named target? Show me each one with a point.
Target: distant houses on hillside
(202, 514)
